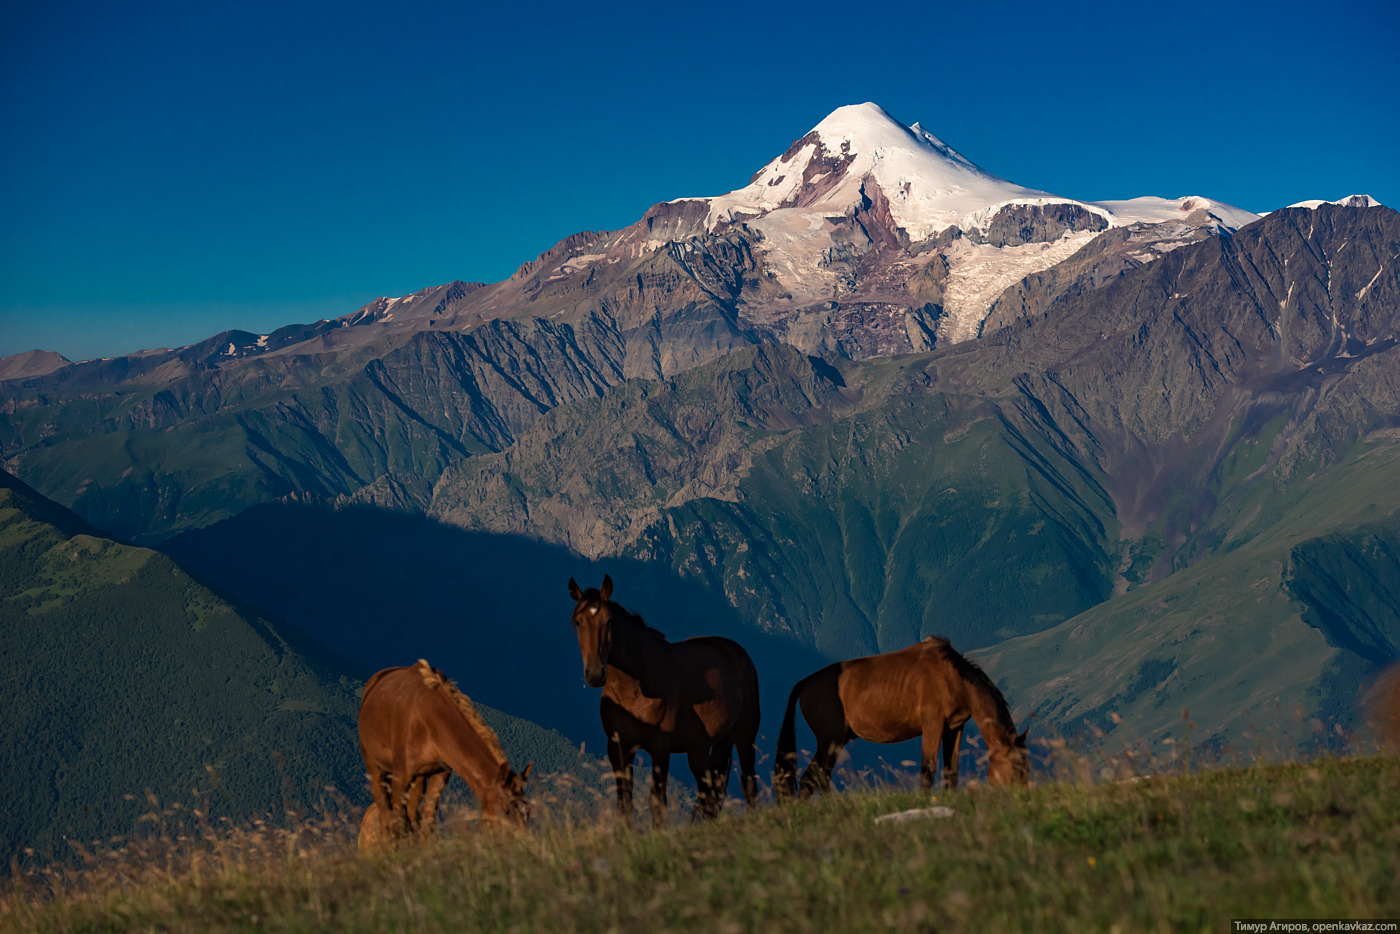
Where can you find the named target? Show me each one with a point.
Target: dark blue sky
(172, 170)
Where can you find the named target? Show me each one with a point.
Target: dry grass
(1160, 846)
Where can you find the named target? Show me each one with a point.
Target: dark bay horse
(927, 689)
(698, 697)
(416, 729)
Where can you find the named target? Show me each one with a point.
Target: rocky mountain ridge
(375, 405)
(861, 219)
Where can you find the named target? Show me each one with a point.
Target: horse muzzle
(595, 678)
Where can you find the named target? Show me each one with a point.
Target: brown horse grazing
(416, 729)
(698, 697)
(927, 689)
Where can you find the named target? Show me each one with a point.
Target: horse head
(513, 804)
(1010, 764)
(592, 622)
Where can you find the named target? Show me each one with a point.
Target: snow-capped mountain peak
(929, 185)
(869, 128)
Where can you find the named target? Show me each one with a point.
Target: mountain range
(1139, 455)
(865, 239)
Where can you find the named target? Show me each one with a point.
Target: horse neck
(993, 719)
(634, 645)
(463, 751)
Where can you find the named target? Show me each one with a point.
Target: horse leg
(398, 801)
(427, 826)
(413, 802)
(621, 760)
(721, 758)
(833, 755)
(817, 776)
(823, 710)
(699, 762)
(928, 757)
(748, 780)
(660, 768)
(379, 791)
(952, 741)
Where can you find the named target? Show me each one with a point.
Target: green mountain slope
(1278, 637)
(124, 675)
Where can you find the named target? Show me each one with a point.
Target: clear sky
(172, 170)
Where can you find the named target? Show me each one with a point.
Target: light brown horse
(927, 689)
(698, 697)
(416, 729)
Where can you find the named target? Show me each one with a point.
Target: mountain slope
(1120, 440)
(836, 508)
(1274, 640)
(1227, 412)
(124, 675)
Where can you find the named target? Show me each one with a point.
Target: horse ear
(1021, 740)
(525, 775)
(606, 589)
(574, 591)
(503, 774)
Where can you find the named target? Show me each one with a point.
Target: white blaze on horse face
(595, 641)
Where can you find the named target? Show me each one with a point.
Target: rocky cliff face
(146, 459)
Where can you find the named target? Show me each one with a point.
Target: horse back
(715, 650)
(709, 657)
(890, 697)
(719, 681)
(398, 714)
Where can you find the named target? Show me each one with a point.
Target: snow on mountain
(1351, 201)
(929, 186)
(865, 234)
(1164, 210)
(861, 159)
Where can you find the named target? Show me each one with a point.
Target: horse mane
(973, 674)
(637, 618)
(436, 680)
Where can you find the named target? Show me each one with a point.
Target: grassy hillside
(124, 677)
(1281, 626)
(1187, 853)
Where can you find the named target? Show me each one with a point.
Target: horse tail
(785, 761)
